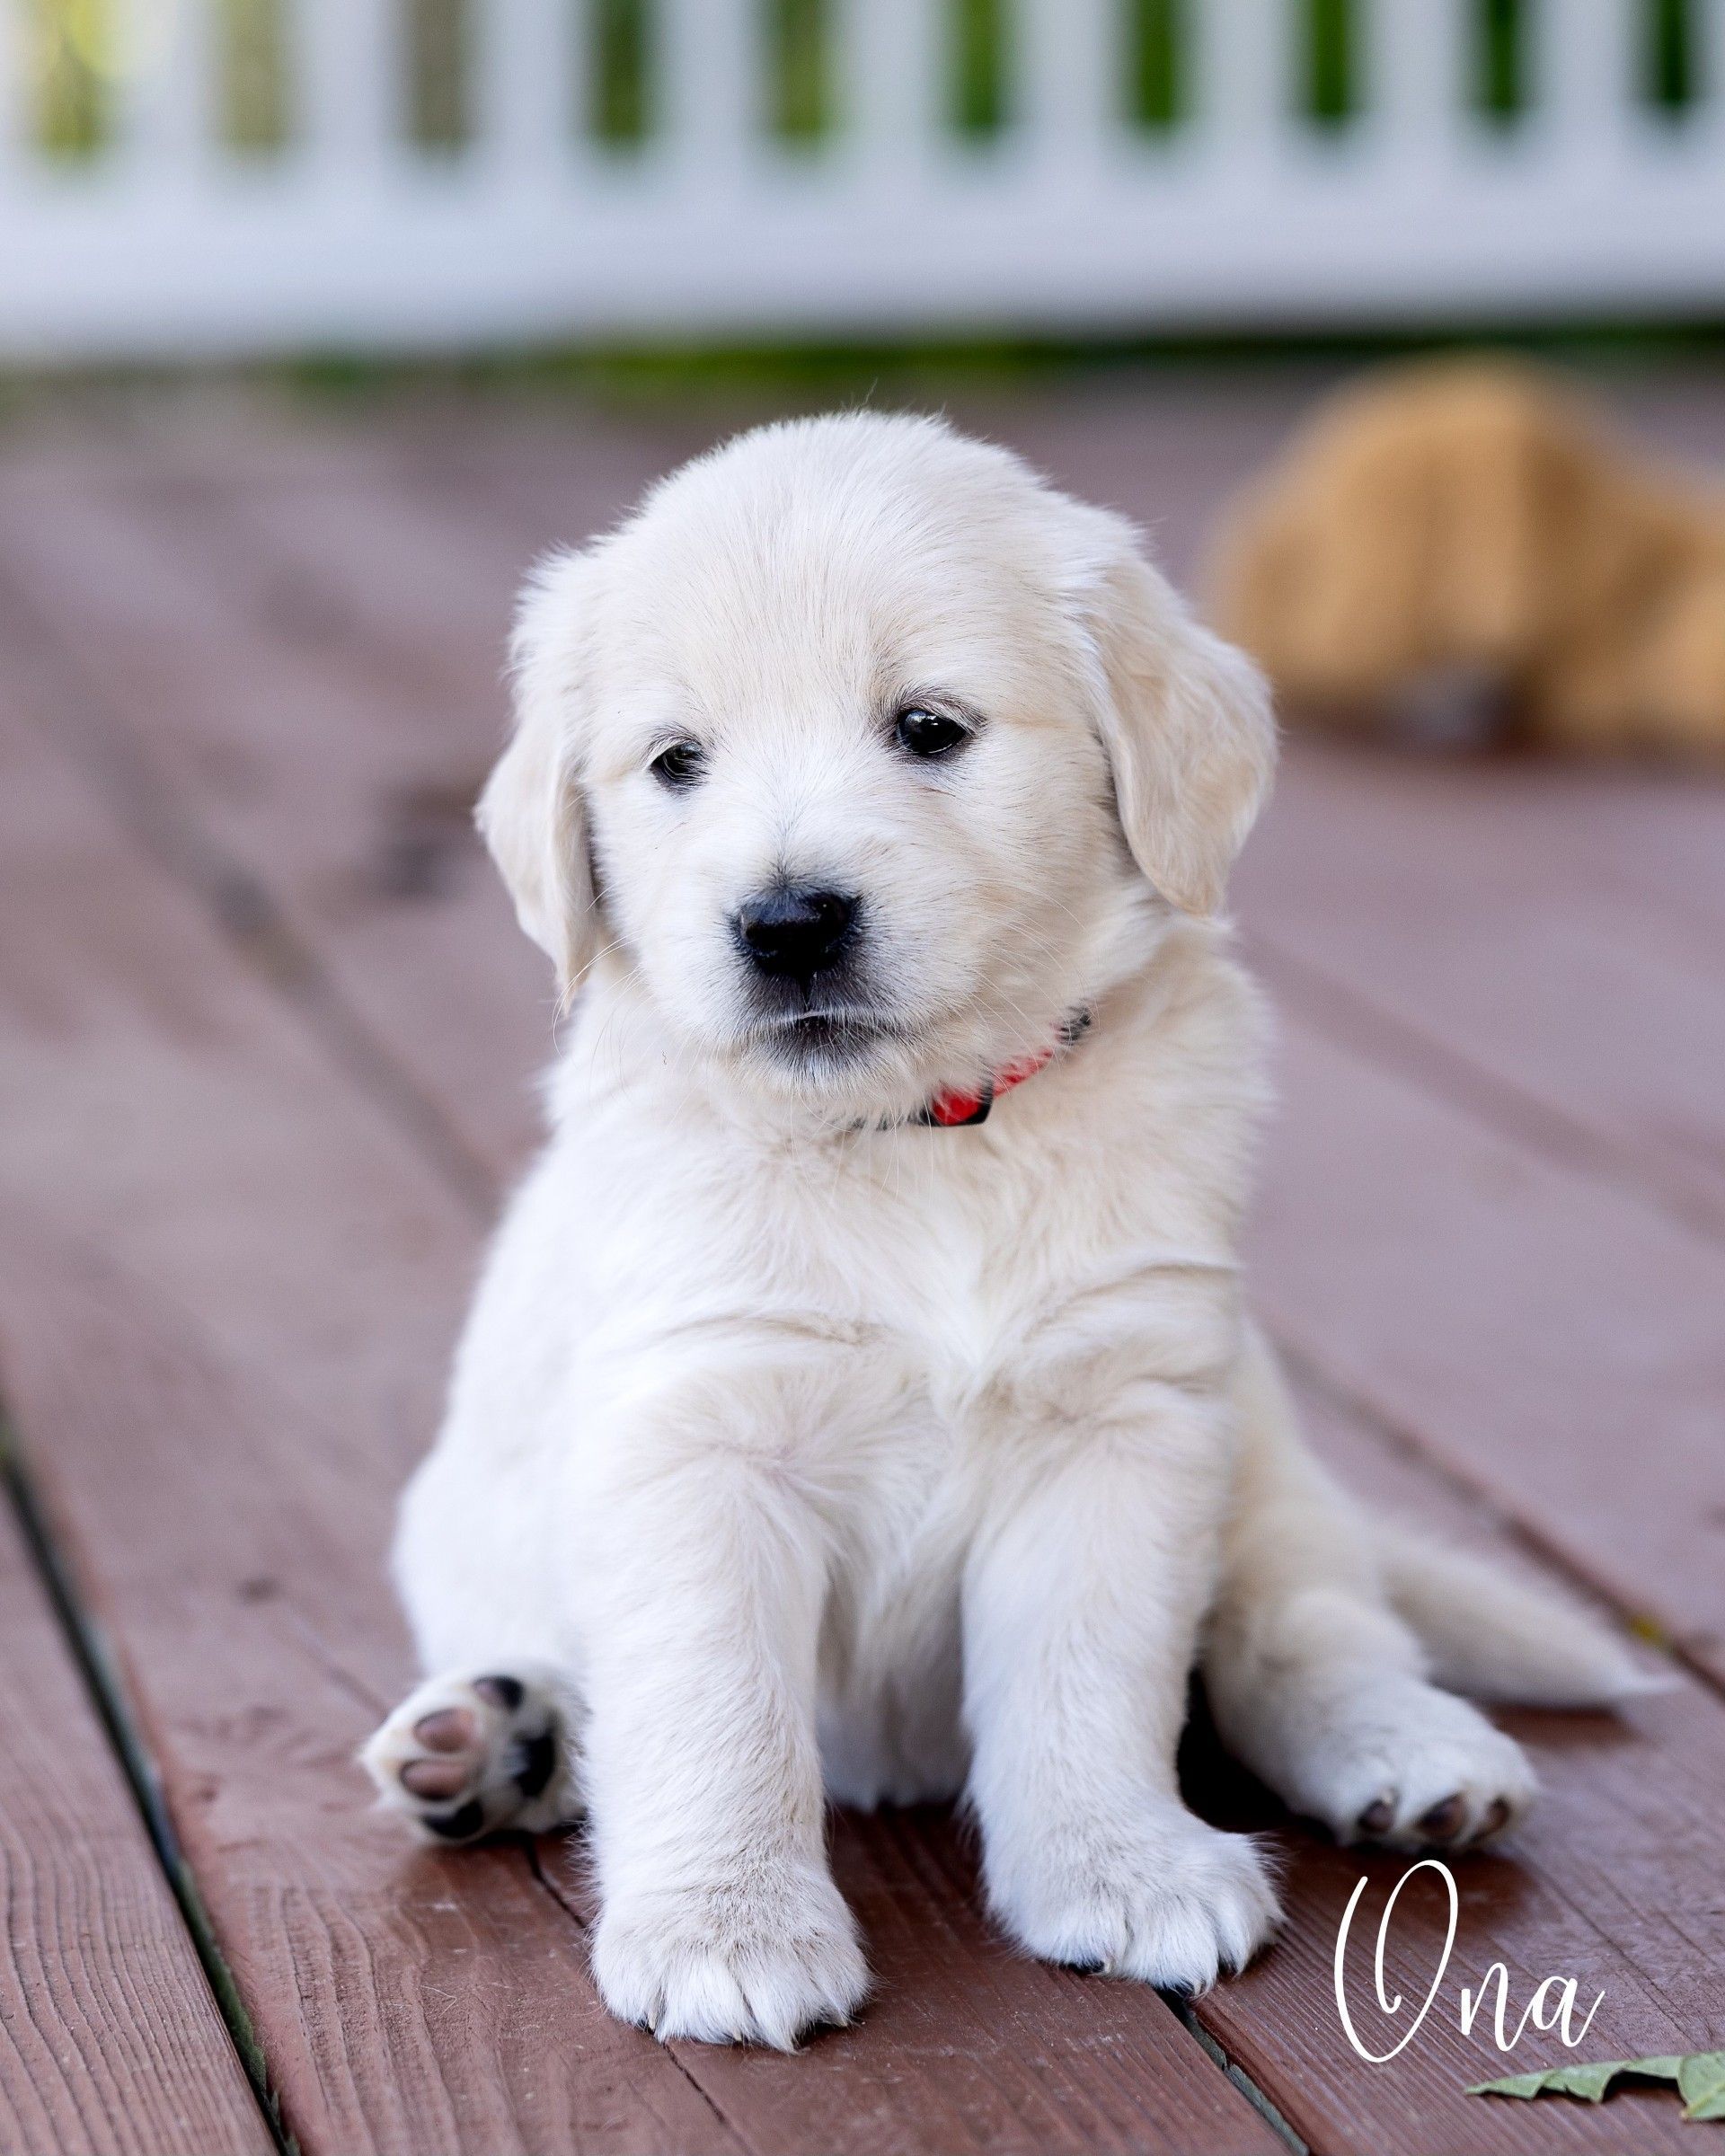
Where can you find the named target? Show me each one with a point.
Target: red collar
(953, 1109)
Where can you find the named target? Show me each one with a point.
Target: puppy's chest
(950, 1285)
(946, 1269)
(909, 1303)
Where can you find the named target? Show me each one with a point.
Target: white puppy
(813, 1434)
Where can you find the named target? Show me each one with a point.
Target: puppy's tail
(1492, 1638)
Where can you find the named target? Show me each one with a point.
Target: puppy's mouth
(808, 1039)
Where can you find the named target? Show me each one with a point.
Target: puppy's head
(864, 749)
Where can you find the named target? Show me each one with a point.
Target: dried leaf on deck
(1700, 2079)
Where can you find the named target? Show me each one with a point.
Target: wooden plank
(1519, 1383)
(380, 568)
(161, 1106)
(1598, 1029)
(110, 2043)
(339, 771)
(396, 2011)
(1555, 1340)
(411, 2002)
(1613, 1880)
(1494, 1198)
(1346, 2104)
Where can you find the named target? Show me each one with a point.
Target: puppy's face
(832, 721)
(845, 806)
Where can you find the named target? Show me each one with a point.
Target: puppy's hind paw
(1400, 1763)
(464, 1756)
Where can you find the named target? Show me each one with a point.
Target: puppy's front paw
(754, 1959)
(1162, 1897)
(1396, 1761)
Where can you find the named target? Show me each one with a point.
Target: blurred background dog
(1465, 550)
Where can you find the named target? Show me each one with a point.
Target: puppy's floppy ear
(530, 813)
(1184, 716)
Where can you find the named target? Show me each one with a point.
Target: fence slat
(891, 55)
(164, 91)
(526, 90)
(1070, 62)
(1417, 72)
(1245, 77)
(1584, 77)
(17, 119)
(1588, 209)
(351, 64)
(1707, 26)
(711, 71)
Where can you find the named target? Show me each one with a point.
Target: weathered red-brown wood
(1551, 1337)
(218, 1407)
(299, 768)
(1444, 1190)
(1386, 1169)
(110, 2042)
(435, 2007)
(162, 1108)
(1628, 1064)
(1382, 884)
(1606, 1882)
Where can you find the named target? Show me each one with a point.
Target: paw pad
(466, 1756)
(1443, 1821)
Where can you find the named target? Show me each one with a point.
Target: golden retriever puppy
(860, 1400)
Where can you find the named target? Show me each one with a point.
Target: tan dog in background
(1460, 550)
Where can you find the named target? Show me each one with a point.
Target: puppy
(860, 1400)
(1459, 548)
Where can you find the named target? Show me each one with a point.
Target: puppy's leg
(467, 1753)
(1081, 1604)
(720, 1918)
(1313, 1680)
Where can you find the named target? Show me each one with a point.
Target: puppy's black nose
(795, 932)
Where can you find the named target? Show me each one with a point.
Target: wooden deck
(266, 1036)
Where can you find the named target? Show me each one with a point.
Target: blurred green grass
(76, 50)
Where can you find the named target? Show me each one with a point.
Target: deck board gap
(1361, 1025)
(1186, 2013)
(102, 1683)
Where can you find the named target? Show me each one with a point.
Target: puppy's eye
(680, 764)
(928, 733)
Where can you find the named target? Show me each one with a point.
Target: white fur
(797, 1450)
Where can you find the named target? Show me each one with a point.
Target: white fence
(162, 243)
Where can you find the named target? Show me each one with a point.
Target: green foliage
(1501, 59)
(621, 56)
(1701, 2083)
(1330, 92)
(1700, 2079)
(1158, 35)
(438, 37)
(1668, 55)
(75, 54)
(252, 74)
(71, 46)
(798, 44)
(981, 66)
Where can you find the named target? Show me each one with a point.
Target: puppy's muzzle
(796, 932)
